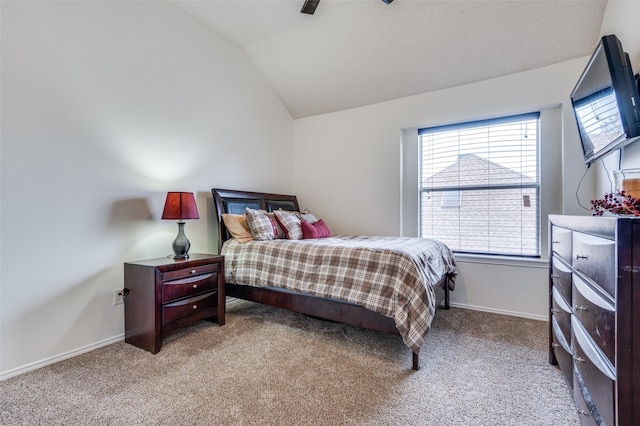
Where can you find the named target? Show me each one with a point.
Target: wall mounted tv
(606, 101)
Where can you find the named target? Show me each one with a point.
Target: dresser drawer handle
(555, 242)
(579, 359)
(580, 257)
(193, 271)
(555, 345)
(195, 286)
(195, 306)
(583, 413)
(555, 276)
(581, 308)
(555, 311)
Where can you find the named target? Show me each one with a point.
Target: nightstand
(165, 294)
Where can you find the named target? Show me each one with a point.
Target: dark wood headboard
(235, 202)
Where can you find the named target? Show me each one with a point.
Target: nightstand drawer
(189, 286)
(186, 272)
(595, 257)
(193, 308)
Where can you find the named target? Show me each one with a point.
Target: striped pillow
(290, 222)
(318, 229)
(262, 227)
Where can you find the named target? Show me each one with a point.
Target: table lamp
(180, 206)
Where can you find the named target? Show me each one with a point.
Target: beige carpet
(273, 367)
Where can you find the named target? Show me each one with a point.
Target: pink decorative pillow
(262, 227)
(317, 229)
(290, 222)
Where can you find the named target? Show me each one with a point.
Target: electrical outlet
(117, 296)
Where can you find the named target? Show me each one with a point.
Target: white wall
(349, 169)
(354, 167)
(105, 107)
(622, 19)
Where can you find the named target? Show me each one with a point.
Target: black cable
(578, 188)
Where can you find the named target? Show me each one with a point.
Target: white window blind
(480, 186)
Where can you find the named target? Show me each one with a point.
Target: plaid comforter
(393, 276)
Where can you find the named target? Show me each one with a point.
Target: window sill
(502, 260)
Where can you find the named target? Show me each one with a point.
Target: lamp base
(181, 244)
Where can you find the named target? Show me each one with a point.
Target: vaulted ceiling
(359, 52)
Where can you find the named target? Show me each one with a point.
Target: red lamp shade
(179, 206)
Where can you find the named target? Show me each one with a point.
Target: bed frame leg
(446, 294)
(416, 361)
(446, 297)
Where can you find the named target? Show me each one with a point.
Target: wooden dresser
(165, 294)
(594, 320)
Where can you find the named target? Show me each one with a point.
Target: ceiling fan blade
(310, 6)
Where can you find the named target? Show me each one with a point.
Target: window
(480, 186)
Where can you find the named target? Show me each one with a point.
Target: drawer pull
(555, 242)
(555, 311)
(555, 276)
(193, 271)
(579, 359)
(580, 257)
(195, 286)
(555, 345)
(195, 306)
(583, 413)
(581, 308)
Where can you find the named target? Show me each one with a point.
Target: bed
(393, 285)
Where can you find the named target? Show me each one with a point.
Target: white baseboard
(66, 355)
(499, 311)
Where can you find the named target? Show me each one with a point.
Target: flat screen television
(606, 101)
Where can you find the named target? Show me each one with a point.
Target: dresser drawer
(561, 311)
(185, 272)
(597, 316)
(561, 277)
(595, 257)
(191, 309)
(189, 286)
(561, 241)
(596, 372)
(586, 410)
(562, 352)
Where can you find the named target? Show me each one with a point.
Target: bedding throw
(394, 276)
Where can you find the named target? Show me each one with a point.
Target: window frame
(461, 189)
